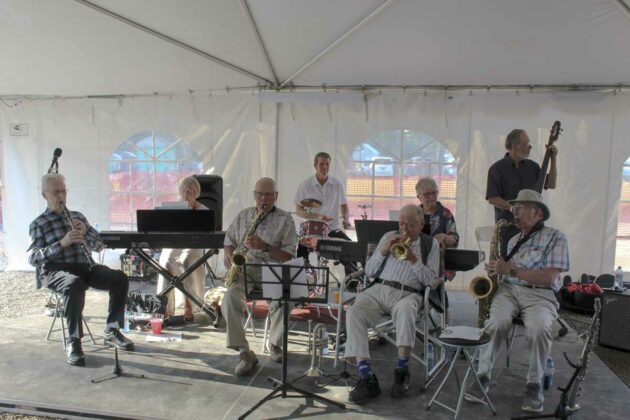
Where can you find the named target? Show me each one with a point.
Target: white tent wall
(473, 126)
(234, 135)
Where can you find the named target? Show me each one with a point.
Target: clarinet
(86, 251)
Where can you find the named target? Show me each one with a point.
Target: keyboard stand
(175, 282)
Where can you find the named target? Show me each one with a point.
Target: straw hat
(532, 197)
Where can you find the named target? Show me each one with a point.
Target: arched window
(622, 252)
(145, 171)
(383, 171)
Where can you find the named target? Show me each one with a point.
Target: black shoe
(116, 338)
(365, 389)
(74, 352)
(400, 388)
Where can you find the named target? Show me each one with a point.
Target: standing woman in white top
(177, 261)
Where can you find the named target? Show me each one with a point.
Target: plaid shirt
(547, 248)
(46, 232)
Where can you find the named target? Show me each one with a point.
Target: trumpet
(399, 249)
(86, 251)
(318, 339)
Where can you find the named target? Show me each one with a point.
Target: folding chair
(59, 313)
(429, 322)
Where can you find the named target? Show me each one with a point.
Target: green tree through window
(144, 171)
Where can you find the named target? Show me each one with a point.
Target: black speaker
(212, 196)
(614, 328)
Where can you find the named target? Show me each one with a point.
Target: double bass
(553, 137)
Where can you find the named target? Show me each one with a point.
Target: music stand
(289, 279)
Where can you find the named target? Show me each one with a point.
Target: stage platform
(194, 378)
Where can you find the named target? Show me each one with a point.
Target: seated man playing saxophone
(530, 275)
(263, 234)
(402, 265)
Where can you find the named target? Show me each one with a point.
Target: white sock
(243, 350)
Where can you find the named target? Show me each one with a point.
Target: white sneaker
(275, 352)
(533, 401)
(247, 364)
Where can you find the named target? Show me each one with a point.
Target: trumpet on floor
(318, 340)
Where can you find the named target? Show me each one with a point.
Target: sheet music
(272, 287)
(462, 333)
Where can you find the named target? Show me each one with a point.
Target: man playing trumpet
(64, 267)
(531, 274)
(399, 279)
(272, 239)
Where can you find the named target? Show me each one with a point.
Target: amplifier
(614, 328)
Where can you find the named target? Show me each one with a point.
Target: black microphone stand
(118, 371)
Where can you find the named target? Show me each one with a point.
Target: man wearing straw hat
(529, 275)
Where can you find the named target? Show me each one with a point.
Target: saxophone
(239, 258)
(569, 400)
(483, 288)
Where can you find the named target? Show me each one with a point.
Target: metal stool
(58, 314)
(462, 346)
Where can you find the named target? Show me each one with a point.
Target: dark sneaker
(400, 388)
(365, 389)
(74, 352)
(533, 401)
(117, 339)
(473, 387)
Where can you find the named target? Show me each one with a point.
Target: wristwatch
(513, 272)
(267, 248)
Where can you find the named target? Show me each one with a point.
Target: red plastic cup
(156, 325)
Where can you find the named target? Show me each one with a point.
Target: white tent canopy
(85, 76)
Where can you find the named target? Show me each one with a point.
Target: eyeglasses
(428, 194)
(58, 192)
(260, 194)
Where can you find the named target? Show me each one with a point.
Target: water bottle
(548, 375)
(97, 227)
(126, 324)
(619, 278)
(325, 345)
(430, 356)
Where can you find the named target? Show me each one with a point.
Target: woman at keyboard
(177, 261)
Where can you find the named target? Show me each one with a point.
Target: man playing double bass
(513, 173)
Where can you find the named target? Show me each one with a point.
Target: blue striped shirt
(547, 248)
(46, 232)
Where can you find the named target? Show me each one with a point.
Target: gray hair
(424, 183)
(267, 180)
(190, 183)
(417, 209)
(321, 155)
(513, 138)
(50, 178)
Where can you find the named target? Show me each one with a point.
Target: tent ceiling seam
(371, 89)
(254, 28)
(623, 5)
(173, 41)
(349, 32)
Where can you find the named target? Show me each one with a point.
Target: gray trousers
(232, 309)
(370, 306)
(538, 310)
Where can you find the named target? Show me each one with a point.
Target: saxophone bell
(239, 257)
